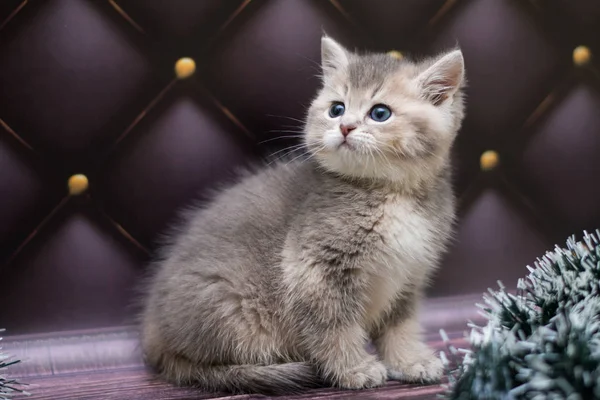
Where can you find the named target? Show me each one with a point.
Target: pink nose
(346, 129)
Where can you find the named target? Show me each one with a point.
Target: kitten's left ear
(333, 56)
(443, 79)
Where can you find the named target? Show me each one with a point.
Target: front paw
(425, 369)
(368, 375)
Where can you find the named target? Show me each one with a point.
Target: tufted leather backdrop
(88, 87)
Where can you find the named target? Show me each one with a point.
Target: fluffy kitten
(278, 283)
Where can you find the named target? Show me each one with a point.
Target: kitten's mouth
(345, 145)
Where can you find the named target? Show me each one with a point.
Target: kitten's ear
(333, 56)
(441, 80)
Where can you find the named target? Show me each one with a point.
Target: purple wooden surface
(107, 363)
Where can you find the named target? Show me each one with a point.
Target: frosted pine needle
(543, 342)
(9, 388)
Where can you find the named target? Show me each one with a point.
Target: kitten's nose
(346, 129)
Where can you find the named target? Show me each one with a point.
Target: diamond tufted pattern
(88, 87)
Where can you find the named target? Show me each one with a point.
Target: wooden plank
(138, 384)
(109, 366)
(58, 353)
(107, 363)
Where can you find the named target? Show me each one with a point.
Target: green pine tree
(542, 342)
(8, 387)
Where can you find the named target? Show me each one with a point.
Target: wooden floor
(107, 364)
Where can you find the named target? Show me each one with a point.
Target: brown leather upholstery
(88, 87)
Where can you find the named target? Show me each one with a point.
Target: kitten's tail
(271, 379)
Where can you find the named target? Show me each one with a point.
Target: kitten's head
(384, 118)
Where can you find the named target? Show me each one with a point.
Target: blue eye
(380, 113)
(336, 110)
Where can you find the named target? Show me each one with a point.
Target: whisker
(372, 156)
(314, 153)
(311, 156)
(366, 166)
(382, 155)
(392, 148)
(281, 137)
(292, 127)
(295, 158)
(403, 154)
(286, 117)
(287, 130)
(292, 148)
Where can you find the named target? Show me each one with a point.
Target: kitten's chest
(407, 232)
(404, 255)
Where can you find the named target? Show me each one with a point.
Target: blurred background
(91, 87)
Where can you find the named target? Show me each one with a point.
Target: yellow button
(396, 54)
(78, 184)
(185, 67)
(581, 55)
(489, 160)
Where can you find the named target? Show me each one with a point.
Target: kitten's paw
(427, 369)
(368, 375)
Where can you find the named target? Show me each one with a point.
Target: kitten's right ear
(333, 57)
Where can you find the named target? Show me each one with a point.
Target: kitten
(277, 284)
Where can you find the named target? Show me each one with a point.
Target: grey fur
(277, 283)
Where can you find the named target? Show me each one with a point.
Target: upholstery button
(396, 54)
(185, 67)
(581, 55)
(78, 184)
(489, 160)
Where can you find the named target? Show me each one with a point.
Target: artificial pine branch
(8, 387)
(543, 342)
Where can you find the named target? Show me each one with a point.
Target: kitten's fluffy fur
(278, 283)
